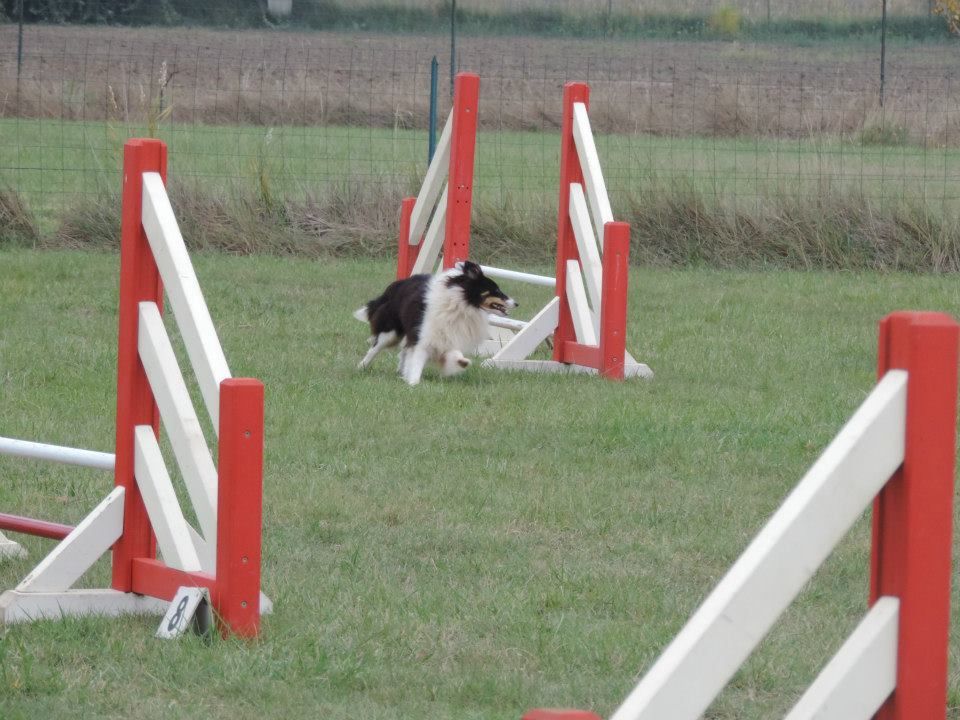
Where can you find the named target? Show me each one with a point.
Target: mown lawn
(469, 548)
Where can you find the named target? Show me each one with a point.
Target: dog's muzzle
(501, 307)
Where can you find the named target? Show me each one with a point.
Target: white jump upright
(588, 315)
(142, 513)
(897, 452)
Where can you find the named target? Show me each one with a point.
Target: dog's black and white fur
(434, 318)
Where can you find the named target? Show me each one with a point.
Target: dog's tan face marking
(493, 304)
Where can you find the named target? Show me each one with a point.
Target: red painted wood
(240, 505)
(578, 354)
(613, 300)
(463, 143)
(570, 172)
(139, 281)
(913, 514)
(406, 253)
(154, 579)
(30, 526)
(558, 714)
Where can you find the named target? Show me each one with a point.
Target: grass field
(472, 547)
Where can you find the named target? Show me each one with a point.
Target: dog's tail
(361, 314)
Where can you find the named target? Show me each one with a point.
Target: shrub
(725, 20)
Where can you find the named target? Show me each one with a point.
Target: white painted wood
(579, 308)
(587, 249)
(505, 323)
(206, 551)
(516, 275)
(179, 418)
(540, 327)
(433, 181)
(189, 610)
(863, 673)
(433, 240)
(635, 370)
(19, 607)
(781, 559)
(161, 502)
(10, 548)
(497, 339)
(57, 453)
(592, 174)
(74, 555)
(186, 297)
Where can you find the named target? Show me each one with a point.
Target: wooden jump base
(588, 315)
(898, 452)
(142, 513)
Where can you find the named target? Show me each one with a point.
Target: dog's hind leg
(384, 339)
(417, 357)
(454, 363)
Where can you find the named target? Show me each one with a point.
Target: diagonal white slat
(786, 553)
(433, 240)
(183, 290)
(863, 673)
(579, 309)
(433, 181)
(206, 552)
(587, 249)
(160, 500)
(540, 327)
(79, 550)
(590, 165)
(179, 418)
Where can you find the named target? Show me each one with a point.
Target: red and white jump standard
(898, 451)
(142, 513)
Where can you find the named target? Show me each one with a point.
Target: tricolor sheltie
(436, 318)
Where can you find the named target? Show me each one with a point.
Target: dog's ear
(470, 269)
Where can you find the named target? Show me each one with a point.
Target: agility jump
(898, 452)
(142, 513)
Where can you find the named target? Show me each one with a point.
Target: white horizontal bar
(57, 453)
(630, 370)
(786, 553)
(503, 274)
(596, 188)
(186, 298)
(863, 673)
(432, 182)
(506, 323)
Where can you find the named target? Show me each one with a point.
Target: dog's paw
(463, 362)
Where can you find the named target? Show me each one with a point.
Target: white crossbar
(590, 165)
(505, 322)
(179, 418)
(504, 274)
(863, 673)
(432, 183)
(57, 453)
(434, 238)
(186, 297)
(786, 553)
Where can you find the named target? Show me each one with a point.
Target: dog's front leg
(416, 358)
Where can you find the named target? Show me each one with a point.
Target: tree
(950, 11)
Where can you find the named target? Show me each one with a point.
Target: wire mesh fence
(288, 115)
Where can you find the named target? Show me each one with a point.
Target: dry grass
(201, 77)
(17, 224)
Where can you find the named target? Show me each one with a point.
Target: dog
(433, 318)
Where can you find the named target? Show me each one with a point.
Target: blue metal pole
(434, 75)
(453, 43)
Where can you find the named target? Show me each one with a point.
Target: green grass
(53, 162)
(472, 547)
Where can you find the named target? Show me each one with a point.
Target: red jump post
(913, 514)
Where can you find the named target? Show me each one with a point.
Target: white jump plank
(530, 278)
(160, 499)
(587, 248)
(57, 453)
(179, 418)
(433, 240)
(863, 673)
(74, 555)
(18, 607)
(183, 290)
(781, 559)
(433, 181)
(579, 309)
(206, 552)
(536, 331)
(592, 174)
(498, 321)
(10, 548)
